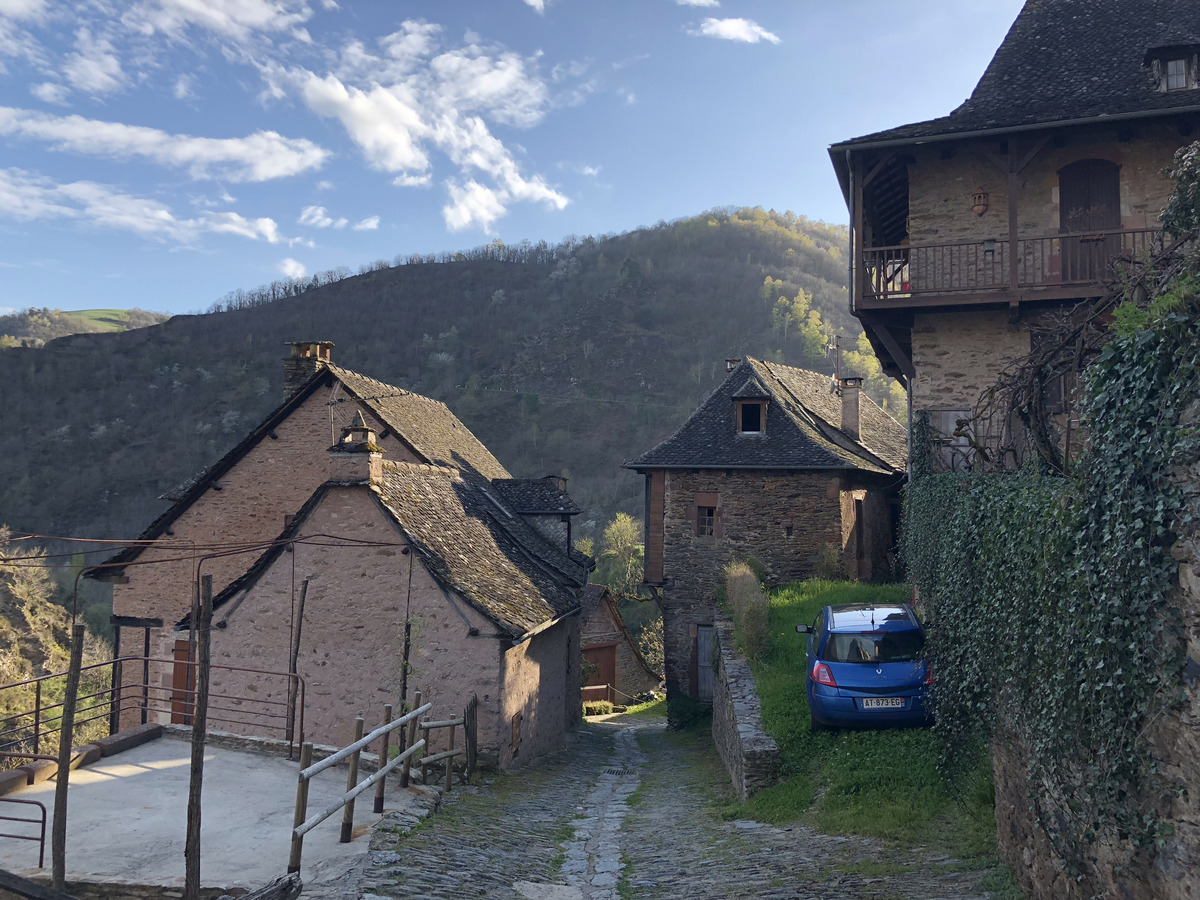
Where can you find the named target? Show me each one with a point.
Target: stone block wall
(1171, 874)
(749, 753)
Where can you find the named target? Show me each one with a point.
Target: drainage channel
(592, 865)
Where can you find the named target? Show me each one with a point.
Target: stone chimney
(851, 389)
(307, 358)
(356, 458)
(731, 363)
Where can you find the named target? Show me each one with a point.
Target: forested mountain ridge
(569, 358)
(34, 327)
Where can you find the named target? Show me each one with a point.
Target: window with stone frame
(752, 417)
(1175, 68)
(1177, 74)
(706, 521)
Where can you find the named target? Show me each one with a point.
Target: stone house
(610, 654)
(415, 532)
(778, 464)
(968, 230)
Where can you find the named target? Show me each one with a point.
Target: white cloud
(49, 92)
(28, 196)
(707, 4)
(183, 87)
(261, 156)
(314, 216)
(538, 5)
(94, 67)
(22, 9)
(745, 30)
(369, 224)
(413, 180)
(628, 96)
(590, 171)
(239, 20)
(292, 268)
(324, 185)
(472, 205)
(470, 81)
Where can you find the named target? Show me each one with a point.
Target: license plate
(882, 703)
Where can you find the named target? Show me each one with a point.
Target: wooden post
(351, 783)
(450, 763)
(412, 737)
(424, 768)
(58, 834)
(383, 758)
(293, 660)
(191, 852)
(306, 750)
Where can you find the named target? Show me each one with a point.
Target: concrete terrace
(127, 817)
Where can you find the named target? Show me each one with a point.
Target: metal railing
(40, 821)
(901, 272)
(351, 752)
(24, 733)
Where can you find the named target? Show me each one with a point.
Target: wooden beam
(877, 168)
(902, 359)
(1029, 157)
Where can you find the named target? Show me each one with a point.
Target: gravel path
(625, 813)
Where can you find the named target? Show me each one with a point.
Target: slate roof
(802, 429)
(470, 541)
(535, 495)
(1067, 60)
(426, 426)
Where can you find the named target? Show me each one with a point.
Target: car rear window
(873, 646)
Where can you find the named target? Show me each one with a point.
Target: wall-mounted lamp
(979, 202)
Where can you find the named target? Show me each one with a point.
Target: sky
(161, 153)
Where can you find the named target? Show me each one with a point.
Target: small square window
(1177, 76)
(706, 518)
(751, 418)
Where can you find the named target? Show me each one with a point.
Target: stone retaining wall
(749, 753)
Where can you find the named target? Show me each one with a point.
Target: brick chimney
(306, 359)
(356, 458)
(851, 388)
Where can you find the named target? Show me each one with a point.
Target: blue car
(863, 667)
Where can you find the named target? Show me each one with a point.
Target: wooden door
(182, 686)
(704, 655)
(1089, 205)
(604, 659)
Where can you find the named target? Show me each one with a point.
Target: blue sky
(160, 153)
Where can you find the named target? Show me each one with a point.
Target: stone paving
(624, 813)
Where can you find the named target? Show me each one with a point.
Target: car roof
(871, 617)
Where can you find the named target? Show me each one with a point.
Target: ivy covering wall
(1052, 628)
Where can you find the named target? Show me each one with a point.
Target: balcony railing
(892, 274)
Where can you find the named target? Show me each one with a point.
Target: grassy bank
(875, 783)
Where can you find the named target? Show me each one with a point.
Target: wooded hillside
(568, 358)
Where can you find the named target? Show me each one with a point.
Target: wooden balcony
(1059, 266)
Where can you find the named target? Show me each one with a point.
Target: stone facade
(957, 354)
(1175, 747)
(780, 518)
(943, 181)
(750, 755)
(602, 628)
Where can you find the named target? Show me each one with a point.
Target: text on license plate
(883, 703)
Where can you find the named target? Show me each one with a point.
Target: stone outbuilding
(610, 654)
(340, 562)
(780, 465)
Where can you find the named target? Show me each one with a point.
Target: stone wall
(535, 687)
(749, 753)
(1174, 745)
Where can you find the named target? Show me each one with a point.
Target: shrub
(686, 712)
(827, 563)
(749, 606)
(597, 708)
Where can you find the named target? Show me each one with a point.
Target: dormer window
(750, 408)
(1174, 68)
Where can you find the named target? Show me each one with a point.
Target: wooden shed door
(605, 661)
(704, 655)
(182, 687)
(1089, 203)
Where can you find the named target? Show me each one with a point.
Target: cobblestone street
(625, 813)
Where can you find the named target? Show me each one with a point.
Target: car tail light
(929, 679)
(822, 675)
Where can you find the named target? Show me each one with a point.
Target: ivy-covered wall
(1064, 625)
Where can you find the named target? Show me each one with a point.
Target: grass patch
(873, 783)
(654, 711)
